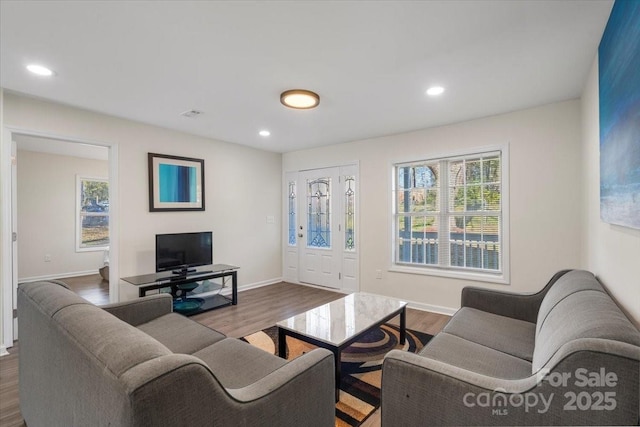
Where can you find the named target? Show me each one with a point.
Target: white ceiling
(371, 62)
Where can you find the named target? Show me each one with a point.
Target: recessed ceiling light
(435, 91)
(40, 70)
(299, 99)
(264, 133)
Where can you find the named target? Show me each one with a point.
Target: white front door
(318, 227)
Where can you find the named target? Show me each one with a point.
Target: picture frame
(175, 183)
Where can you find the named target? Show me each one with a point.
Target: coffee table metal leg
(403, 325)
(336, 360)
(282, 343)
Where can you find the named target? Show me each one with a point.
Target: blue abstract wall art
(175, 183)
(619, 83)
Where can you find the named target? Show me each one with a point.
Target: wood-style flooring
(93, 288)
(257, 309)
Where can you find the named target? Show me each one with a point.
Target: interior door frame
(8, 189)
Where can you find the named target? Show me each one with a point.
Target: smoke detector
(191, 113)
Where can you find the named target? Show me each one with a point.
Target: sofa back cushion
(51, 296)
(577, 307)
(114, 344)
(567, 285)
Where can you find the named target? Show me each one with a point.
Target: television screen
(180, 252)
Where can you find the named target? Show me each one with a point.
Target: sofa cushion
(567, 285)
(511, 336)
(474, 357)
(117, 345)
(585, 314)
(237, 364)
(180, 334)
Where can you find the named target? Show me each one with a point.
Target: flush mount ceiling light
(40, 70)
(435, 91)
(264, 132)
(300, 99)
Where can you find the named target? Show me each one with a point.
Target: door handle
(299, 234)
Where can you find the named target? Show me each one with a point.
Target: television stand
(184, 271)
(148, 282)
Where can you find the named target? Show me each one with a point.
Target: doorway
(321, 241)
(43, 147)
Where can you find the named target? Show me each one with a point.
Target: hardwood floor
(257, 309)
(93, 288)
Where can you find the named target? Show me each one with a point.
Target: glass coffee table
(340, 323)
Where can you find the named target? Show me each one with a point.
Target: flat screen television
(181, 252)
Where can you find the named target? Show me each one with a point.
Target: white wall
(47, 214)
(545, 179)
(242, 189)
(612, 252)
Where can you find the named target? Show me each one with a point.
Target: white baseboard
(226, 291)
(324, 288)
(411, 304)
(57, 276)
(258, 284)
(432, 308)
(3, 350)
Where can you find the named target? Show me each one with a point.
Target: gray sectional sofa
(138, 364)
(566, 355)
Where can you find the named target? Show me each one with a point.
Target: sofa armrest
(517, 306)
(417, 390)
(398, 362)
(420, 391)
(302, 392)
(59, 282)
(180, 390)
(138, 311)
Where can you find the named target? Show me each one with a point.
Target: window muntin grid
(448, 213)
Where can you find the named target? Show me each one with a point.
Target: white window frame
(79, 247)
(500, 277)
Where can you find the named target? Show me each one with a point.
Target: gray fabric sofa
(566, 355)
(138, 364)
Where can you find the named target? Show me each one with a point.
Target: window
(92, 207)
(449, 216)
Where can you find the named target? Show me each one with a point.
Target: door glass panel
(349, 213)
(319, 213)
(292, 213)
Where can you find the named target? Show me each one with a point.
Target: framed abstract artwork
(175, 183)
(619, 90)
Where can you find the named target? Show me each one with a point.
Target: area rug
(361, 366)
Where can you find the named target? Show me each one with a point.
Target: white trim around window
(442, 215)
